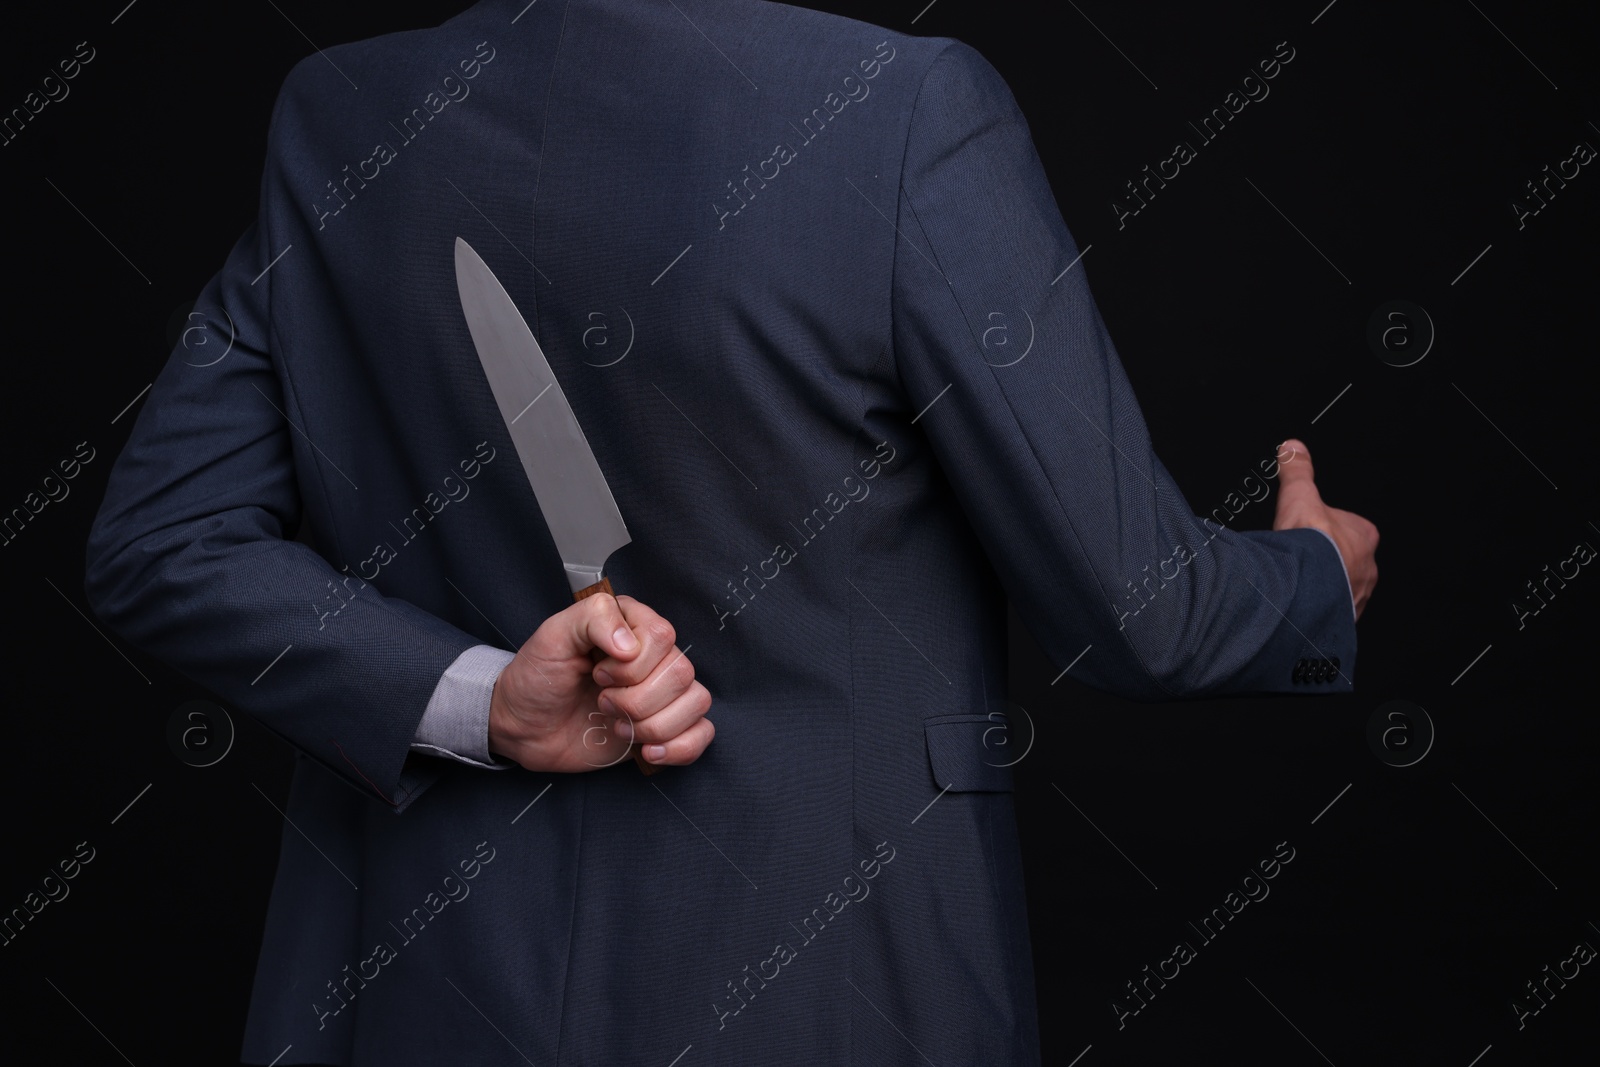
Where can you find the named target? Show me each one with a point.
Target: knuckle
(625, 672)
(680, 673)
(683, 750)
(659, 630)
(625, 703)
(699, 744)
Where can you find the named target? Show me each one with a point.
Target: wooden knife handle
(604, 586)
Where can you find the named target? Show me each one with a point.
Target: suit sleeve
(191, 556)
(1049, 453)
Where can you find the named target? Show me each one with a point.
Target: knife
(567, 482)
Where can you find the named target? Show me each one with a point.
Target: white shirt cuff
(456, 722)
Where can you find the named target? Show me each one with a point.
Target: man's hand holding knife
(558, 708)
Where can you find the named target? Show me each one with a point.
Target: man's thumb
(601, 625)
(1297, 488)
(1294, 463)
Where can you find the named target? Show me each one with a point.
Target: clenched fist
(560, 706)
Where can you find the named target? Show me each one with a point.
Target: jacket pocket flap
(969, 753)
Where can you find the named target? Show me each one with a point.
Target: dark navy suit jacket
(766, 251)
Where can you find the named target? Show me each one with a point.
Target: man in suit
(761, 247)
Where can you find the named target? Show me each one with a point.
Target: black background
(1385, 159)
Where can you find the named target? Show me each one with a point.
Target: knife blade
(567, 481)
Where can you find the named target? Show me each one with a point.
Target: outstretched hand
(559, 706)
